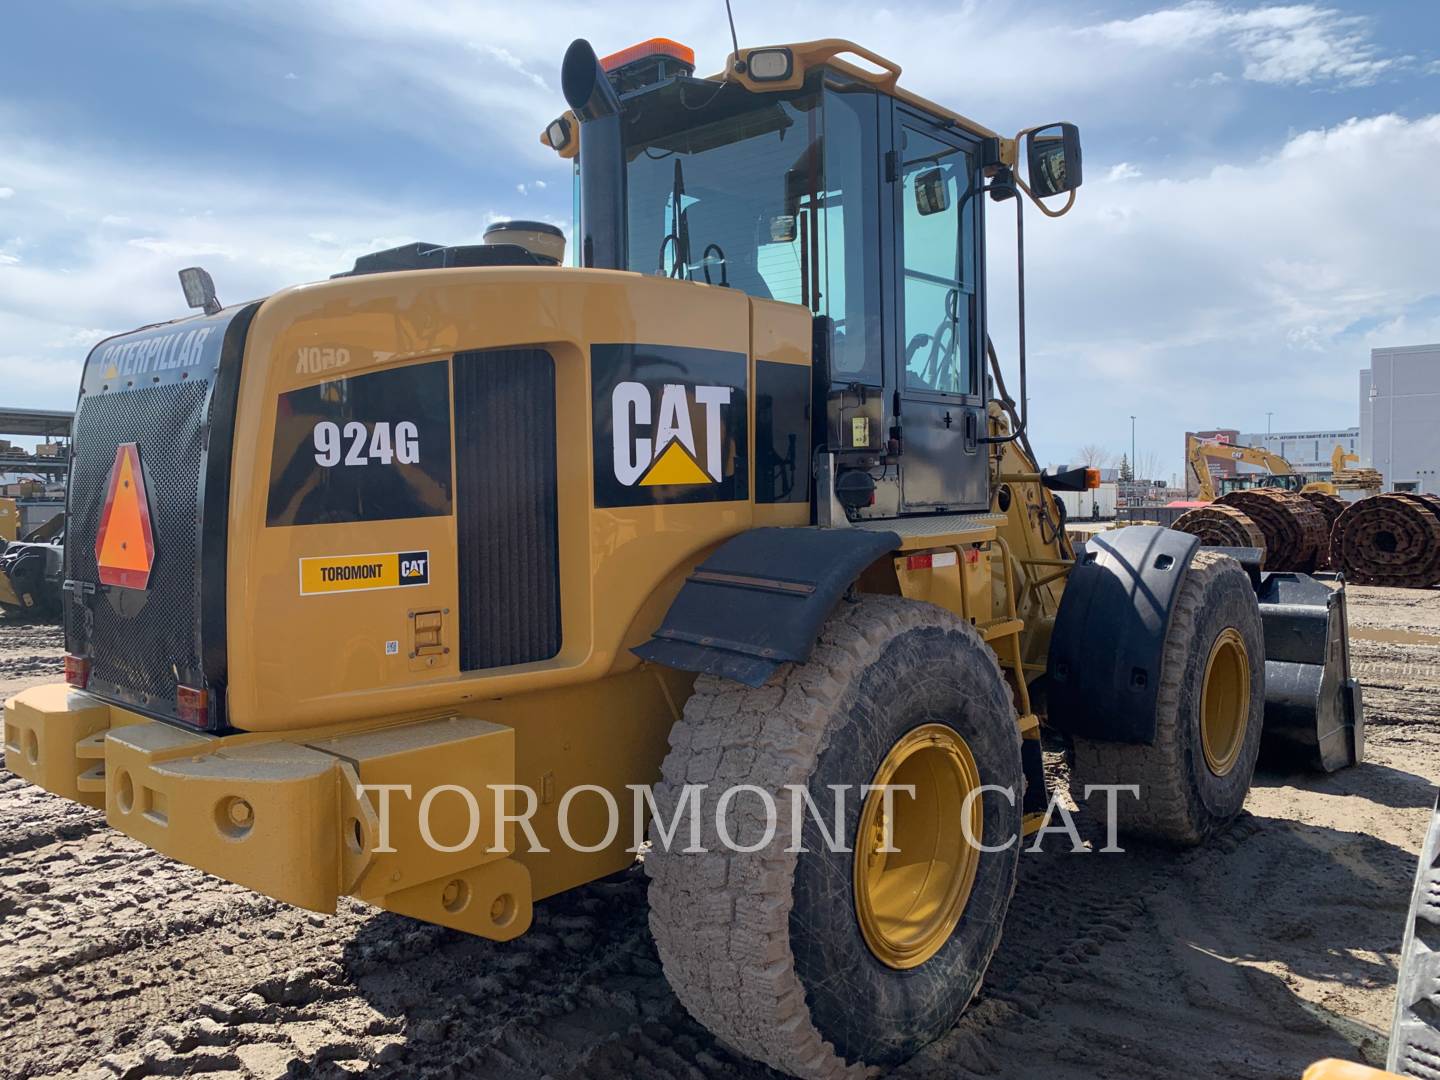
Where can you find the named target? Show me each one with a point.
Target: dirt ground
(1272, 947)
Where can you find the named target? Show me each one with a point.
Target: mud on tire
(1182, 799)
(764, 947)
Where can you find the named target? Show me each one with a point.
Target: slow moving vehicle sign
(125, 542)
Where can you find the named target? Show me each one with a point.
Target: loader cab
(835, 193)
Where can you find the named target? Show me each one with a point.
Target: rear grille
(140, 643)
(505, 505)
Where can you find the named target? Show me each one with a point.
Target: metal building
(1400, 417)
(1308, 451)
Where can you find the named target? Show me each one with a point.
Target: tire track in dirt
(31, 818)
(362, 989)
(1064, 915)
(30, 652)
(583, 995)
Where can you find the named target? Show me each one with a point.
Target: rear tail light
(931, 561)
(192, 705)
(77, 671)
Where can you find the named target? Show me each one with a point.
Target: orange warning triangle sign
(674, 466)
(125, 544)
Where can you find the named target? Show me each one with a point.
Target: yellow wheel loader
(434, 583)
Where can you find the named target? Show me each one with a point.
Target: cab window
(937, 264)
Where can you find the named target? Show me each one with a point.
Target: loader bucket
(1314, 717)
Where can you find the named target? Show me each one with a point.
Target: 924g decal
(370, 447)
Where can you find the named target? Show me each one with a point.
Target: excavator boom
(1198, 453)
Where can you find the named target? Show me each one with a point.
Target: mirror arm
(1069, 202)
(1022, 422)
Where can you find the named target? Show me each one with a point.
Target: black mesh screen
(505, 505)
(141, 643)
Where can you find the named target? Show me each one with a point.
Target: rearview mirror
(1053, 156)
(782, 229)
(932, 195)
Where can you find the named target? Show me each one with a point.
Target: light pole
(1268, 415)
(1133, 477)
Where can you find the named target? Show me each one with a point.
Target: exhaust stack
(595, 104)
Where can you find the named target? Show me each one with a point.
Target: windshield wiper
(679, 226)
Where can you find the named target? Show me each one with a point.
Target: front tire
(824, 962)
(1194, 778)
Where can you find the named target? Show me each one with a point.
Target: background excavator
(1281, 474)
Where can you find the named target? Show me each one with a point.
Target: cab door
(939, 303)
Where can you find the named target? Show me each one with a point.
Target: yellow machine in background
(1344, 478)
(31, 569)
(1198, 453)
(1281, 474)
(391, 586)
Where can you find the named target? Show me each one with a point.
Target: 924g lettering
(366, 445)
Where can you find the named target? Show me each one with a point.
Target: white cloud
(6, 192)
(1215, 78)
(1123, 171)
(514, 63)
(496, 76)
(98, 257)
(186, 247)
(1297, 43)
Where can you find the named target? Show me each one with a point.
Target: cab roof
(803, 57)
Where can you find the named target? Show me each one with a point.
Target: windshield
(774, 196)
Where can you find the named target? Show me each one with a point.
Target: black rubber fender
(760, 599)
(1103, 673)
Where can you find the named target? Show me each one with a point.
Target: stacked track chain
(1391, 539)
(1221, 526)
(1296, 534)
(1332, 506)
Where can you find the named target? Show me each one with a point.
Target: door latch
(427, 638)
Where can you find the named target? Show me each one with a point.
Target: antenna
(733, 39)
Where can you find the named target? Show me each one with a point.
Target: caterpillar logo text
(670, 456)
(670, 425)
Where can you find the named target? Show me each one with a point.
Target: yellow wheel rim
(908, 900)
(1225, 702)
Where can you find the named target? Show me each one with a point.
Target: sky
(1261, 204)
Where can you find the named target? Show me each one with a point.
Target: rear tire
(27, 581)
(1194, 778)
(767, 949)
